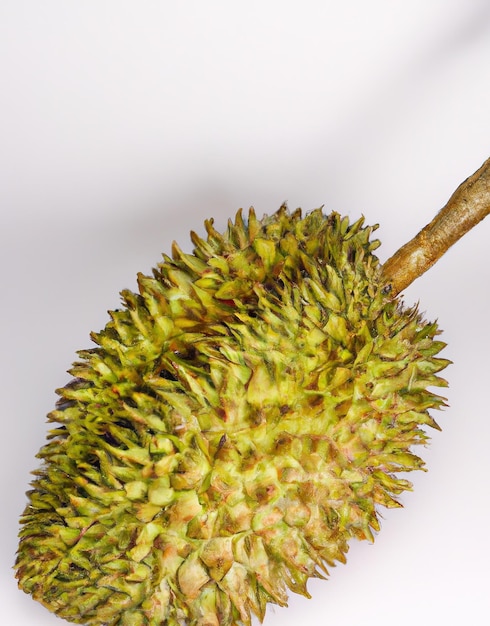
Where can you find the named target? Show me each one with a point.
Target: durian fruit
(242, 418)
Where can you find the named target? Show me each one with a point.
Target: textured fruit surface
(241, 419)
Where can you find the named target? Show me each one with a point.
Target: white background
(123, 125)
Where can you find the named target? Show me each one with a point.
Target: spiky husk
(242, 418)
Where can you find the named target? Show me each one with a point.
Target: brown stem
(468, 205)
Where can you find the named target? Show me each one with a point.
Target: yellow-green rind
(241, 419)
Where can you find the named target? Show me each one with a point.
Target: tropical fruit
(240, 420)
